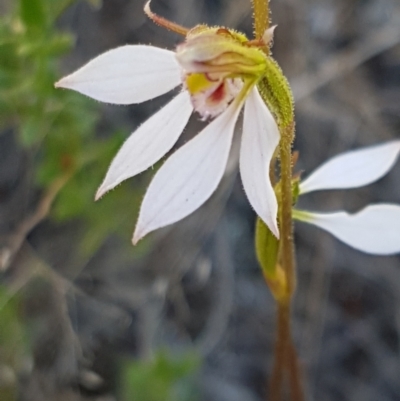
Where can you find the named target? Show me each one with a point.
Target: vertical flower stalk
(261, 17)
(280, 274)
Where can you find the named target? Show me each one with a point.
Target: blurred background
(185, 315)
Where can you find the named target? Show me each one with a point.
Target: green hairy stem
(261, 17)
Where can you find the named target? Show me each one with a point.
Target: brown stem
(260, 17)
(277, 376)
(295, 379)
(16, 239)
(285, 359)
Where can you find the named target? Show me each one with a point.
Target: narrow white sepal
(125, 75)
(189, 176)
(353, 169)
(149, 143)
(259, 140)
(374, 230)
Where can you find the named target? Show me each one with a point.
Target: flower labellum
(215, 64)
(218, 70)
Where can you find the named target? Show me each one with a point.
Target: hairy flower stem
(261, 17)
(277, 95)
(286, 223)
(285, 352)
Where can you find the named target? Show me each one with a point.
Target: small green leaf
(32, 13)
(30, 131)
(295, 189)
(59, 44)
(267, 247)
(165, 378)
(13, 338)
(46, 47)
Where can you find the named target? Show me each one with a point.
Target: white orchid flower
(376, 228)
(217, 73)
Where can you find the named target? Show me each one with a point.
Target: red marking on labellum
(218, 94)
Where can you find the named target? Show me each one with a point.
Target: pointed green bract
(275, 91)
(267, 247)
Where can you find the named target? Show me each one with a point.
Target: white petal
(125, 75)
(149, 143)
(353, 169)
(259, 140)
(189, 176)
(374, 230)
